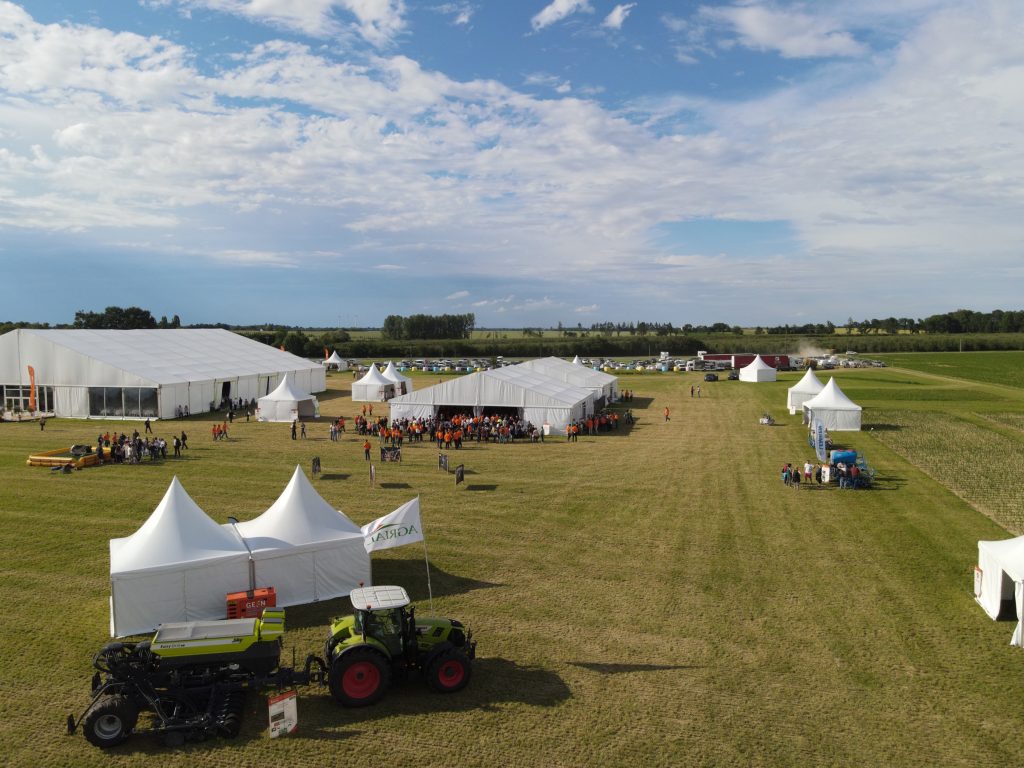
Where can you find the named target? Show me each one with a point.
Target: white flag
(400, 527)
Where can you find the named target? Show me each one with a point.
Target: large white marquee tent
(603, 385)
(83, 373)
(802, 391)
(758, 371)
(177, 567)
(1001, 577)
(304, 548)
(537, 398)
(336, 361)
(287, 403)
(833, 408)
(373, 387)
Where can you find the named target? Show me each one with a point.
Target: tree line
(397, 327)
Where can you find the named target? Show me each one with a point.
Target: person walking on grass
(667, 414)
(366, 449)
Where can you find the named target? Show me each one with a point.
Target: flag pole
(430, 591)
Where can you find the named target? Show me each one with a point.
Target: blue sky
(322, 162)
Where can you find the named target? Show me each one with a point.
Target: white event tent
(286, 403)
(833, 409)
(604, 386)
(373, 387)
(758, 371)
(802, 391)
(576, 360)
(152, 373)
(403, 384)
(536, 398)
(177, 567)
(1001, 580)
(336, 361)
(304, 548)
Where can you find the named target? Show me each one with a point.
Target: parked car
(710, 377)
(734, 375)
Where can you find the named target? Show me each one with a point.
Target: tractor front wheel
(359, 677)
(449, 671)
(110, 722)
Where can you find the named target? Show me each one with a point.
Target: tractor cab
(383, 613)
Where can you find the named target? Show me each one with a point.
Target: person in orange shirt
(366, 449)
(448, 439)
(666, 414)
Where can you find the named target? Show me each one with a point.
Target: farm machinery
(192, 677)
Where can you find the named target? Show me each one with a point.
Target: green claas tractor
(384, 639)
(192, 677)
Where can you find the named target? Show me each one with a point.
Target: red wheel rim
(360, 680)
(451, 673)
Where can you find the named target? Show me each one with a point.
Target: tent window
(96, 401)
(113, 405)
(148, 402)
(131, 402)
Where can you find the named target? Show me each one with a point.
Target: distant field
(652, 598)
(990, 367)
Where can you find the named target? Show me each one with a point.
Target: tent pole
(430, 591)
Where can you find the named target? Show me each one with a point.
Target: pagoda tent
(999, 581)
(336, 361)
(803, 390)
(403, 384)
(373, 387)
(758, 371)
(533, 397)
(286, 403)
(576, 360)
(833, 409)
(304, 548)
(178, 566)
(603, 385)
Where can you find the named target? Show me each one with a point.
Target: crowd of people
(846, 475)
(133, 449)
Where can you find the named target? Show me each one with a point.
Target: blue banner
(819, 440)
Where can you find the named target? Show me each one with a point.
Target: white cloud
(558, 10)
(587, 310)
(792, 33)
(617, 16)
(457, 295)
(388, 267)
(462, 12)
(377, 21)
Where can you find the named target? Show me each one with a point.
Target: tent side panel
(291, 574)
(341, 568)
(141, 601)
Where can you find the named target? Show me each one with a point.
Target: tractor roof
(378, 598)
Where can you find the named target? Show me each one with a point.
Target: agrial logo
(392, 531)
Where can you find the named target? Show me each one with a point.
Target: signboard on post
(373, 475)
(390, 453)
(819, 440)
(283, 712)
(460, 474)
(442, 461)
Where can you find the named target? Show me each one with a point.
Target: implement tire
(359, 677)
(110, 722)
(449, 671)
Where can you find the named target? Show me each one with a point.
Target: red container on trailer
(250, 605)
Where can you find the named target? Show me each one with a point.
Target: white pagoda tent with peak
(177, 567)
(833, 408)
(802, 391)
(758, 371)
(286, 403)
(336, 361)
(373, 387)
(576, 360)
(304, 548)
(403, 384)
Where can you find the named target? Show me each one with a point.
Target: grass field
(654, 597)
(989, 367)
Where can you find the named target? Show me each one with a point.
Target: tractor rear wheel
(449, 671)
(359, 677)
(110, 722)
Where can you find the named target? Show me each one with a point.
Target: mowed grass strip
(653, 597)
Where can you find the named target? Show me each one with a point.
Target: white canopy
(304, 548)
(286, 403)
(538, 399)
(603, 385)
(576, 360)
(373, 387)
(403, 384)
(1001, 577)
(833, 409)
(757, 371)
(177, 567)
(803, 390)
(337, 361)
